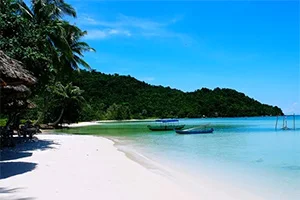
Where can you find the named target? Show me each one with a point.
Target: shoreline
(92, 123)
(99, 122)
(79, 166)
(204, 186)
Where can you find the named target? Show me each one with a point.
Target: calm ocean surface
(248, 152)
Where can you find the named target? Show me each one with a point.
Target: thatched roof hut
(14, 80)
(12, 72)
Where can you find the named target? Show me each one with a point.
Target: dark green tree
(62, 97)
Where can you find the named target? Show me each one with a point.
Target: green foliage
(23, 40)
(123, 97)
(3, 122)
(63, 98)
(37, 35)
(118, 112)
(50, 47)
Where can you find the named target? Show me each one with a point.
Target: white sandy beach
(85, 167)
(88, 167)
(92, 123)
(81, 124)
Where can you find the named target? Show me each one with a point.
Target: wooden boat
(195, 131)
(166, 125)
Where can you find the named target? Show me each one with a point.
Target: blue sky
(250, 46)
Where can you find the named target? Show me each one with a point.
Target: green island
(124, 97)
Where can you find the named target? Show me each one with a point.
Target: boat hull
(166, 127)
(195, 131)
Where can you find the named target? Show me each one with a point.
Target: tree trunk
(38, 119)
(59, 118)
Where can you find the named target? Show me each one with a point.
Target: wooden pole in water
(276, 122)
(294, 121)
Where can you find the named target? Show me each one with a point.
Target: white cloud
(90, 20)
(106, 33)
(129, 26)
(124, 21)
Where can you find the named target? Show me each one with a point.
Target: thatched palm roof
(10, 92)
(19, 89)
(14, 80)
(12, 72)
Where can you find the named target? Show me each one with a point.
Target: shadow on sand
(12, 155)
(8, 193)
(10, 167)
(31, 145)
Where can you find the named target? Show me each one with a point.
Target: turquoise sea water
(248, 152)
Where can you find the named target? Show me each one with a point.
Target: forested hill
(124, 97)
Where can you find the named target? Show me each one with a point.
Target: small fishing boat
(196, 130)
(166, 125)
(211, 130)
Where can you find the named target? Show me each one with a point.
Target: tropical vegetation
(49, 46)
(52, 48)
(124, 97)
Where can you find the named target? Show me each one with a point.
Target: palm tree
(67, 63)
(62, 96)
(47, 15)
(45, 11)
(73, 37)
(64, 39)
(59, 41)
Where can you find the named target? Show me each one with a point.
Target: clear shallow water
(247, 152)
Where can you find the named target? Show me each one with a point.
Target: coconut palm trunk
(59, 118)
